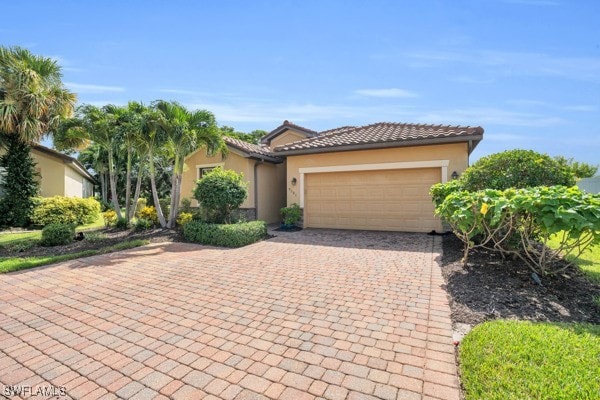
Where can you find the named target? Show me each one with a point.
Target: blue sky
(528, 71)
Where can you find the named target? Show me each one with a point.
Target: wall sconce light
(454, 175)
(294, 181)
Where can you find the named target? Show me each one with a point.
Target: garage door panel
(376, 200)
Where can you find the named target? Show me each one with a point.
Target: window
(204, 171)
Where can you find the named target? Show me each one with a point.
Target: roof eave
(282, 128)
(262, 157)
(475, 139)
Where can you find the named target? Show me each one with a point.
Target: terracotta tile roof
(249, 148)
(380, 134)
(288, 123)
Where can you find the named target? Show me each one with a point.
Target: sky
(527, 71)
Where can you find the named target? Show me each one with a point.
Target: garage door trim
(443, 164)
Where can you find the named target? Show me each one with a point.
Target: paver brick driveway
(311, 314)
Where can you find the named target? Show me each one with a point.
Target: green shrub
(183, 218)
(225, 235)
(219, 193)
(186, 205)
(122, 223)
(110, 218)
(516, 221)
(165, 206)
(516, 169)
(149, 213)
(142, 224)
(57, 233)
(66, 210)
(141, 203)
(104, 205)
(291, 214)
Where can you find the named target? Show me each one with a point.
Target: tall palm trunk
(138, 188)
(172, 207)
(103, 190)
(161, 217)
(113, 184)
(175, 190)
(128, 204)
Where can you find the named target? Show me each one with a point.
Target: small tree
(220, 192)
(20, 184)
(516, 169)
(580, 169)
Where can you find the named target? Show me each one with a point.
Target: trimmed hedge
(66, 210)
(57, 234)
(225, 235)
(516, 169)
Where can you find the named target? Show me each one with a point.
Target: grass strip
(522, 360)
(10, 264)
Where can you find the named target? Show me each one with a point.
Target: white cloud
(581, 107)
(88, 88)
(484, 116)
(386, 93)
(182, 91)
(506, 63)
(269, 112)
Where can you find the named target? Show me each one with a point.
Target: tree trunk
(161, 217)
(113, 184)
(173, 195)
(103, 190)
(138, 188)
(128, 186)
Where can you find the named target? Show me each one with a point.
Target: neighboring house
(61, 175)
(374, 177)
(590, 185)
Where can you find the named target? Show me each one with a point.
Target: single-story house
(373, 177)
(60, 174)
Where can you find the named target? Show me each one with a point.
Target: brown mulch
(489, 287)
(109, 237)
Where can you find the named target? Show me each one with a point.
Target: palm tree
(96, 158)
(33, 99)
(152, 140)
(97, 125)
(186, 131)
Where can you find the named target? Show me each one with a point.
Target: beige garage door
(391, 200)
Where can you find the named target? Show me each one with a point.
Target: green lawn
(9, 264)
(589, 262)
(522, 360)
(25, 240)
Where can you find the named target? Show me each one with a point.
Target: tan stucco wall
(73, 183)
(271, 191)
(456, 153)
(287, 137)
(233, 161)
(52, 174)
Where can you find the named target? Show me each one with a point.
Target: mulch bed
(111, 237)
(489, 287)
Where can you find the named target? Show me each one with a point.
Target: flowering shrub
(65, 210)
(520, 222)
(110, 218)
(183, 218)
(149, 213)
